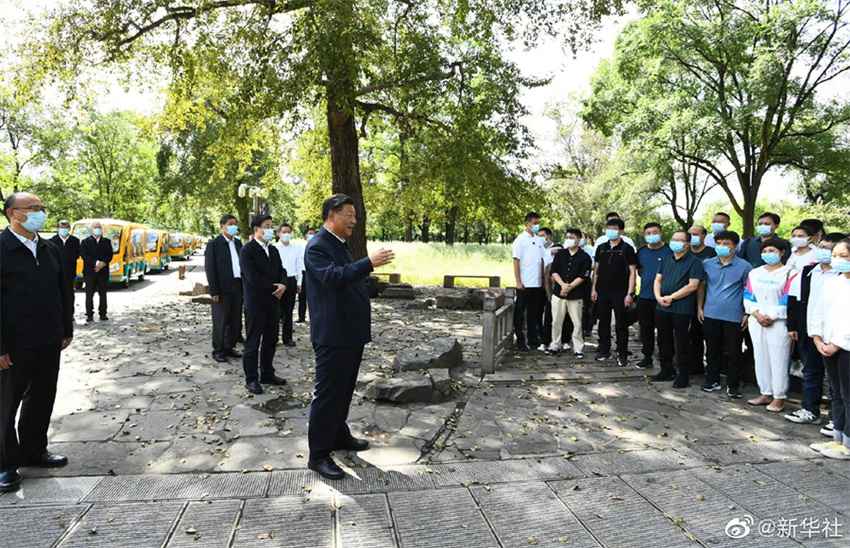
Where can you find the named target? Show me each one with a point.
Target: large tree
(289, 55)
(750, 86)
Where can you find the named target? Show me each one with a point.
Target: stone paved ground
(168, 450)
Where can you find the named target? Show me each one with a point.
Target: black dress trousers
(336, 377)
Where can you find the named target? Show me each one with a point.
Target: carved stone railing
(498, 327)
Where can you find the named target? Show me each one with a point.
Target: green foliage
(733, 89)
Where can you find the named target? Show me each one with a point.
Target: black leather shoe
(220, 358)
(681, 382)
(663, 376)
(254, 388)
(233, 354)
(104, 319)
(274, 381)
(48, 460)
(355, 444)
(10, 481)
(327, 468)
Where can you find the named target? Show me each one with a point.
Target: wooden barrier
(449, 280)
(392, 277)
(498, 328)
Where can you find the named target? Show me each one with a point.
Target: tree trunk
(425, 229)
(451, 226)
(345, 164)
(465, 233)
(408, 229)
(749, 215)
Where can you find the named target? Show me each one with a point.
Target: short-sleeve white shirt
(529, 251)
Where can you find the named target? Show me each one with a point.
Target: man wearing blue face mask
(264, 283)
(69, 249)
(719, 223)
(96, 252)
(527, 252)
(607, 236)
(768, 224)
(649, 258)
(35, 326)
(224, 277)
(675, 289)
(614, 274)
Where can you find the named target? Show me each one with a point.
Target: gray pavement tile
(774, 502)
(470, 473)
(696, 507)
(135, 525)
(525, 514)
(50, 491)
(209, 524)
(36, 528)
(626, 462)
(102, 458)
(290, 522)
(439, 519)
(88, 426)
(180, 486)
(364, 522)
(617, 516)
(814, 479)
(358, 481)
(754, 452)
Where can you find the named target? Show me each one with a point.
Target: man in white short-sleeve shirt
(528, 249)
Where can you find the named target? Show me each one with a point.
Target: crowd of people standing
(712, 303)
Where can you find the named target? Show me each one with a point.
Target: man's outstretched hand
(381, 257)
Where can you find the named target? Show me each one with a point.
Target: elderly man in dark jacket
(340, 326)
(35, 326)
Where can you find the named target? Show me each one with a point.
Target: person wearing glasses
(35, 326)
(96, 252)
(340, 326)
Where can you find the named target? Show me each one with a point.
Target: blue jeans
(813, 371)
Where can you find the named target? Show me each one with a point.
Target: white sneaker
(542, 348)
(820, 446)
(801, 416)
(838, 452)
(828, 430)
(554, 348)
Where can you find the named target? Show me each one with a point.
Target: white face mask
(570, 242)
(285, 237)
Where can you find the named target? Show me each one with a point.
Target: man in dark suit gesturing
(224, 276)
(264, 282)
(340, 326)
(96, 252)
(35, 326)
(69, 249)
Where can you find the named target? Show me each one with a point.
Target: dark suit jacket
(33, 309)
(218, 265)
(340, 312)
(259, 274)
(70, 252)
(92, 251)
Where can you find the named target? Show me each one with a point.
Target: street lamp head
(242, 190)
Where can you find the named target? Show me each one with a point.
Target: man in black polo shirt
(675, 290)
(613, 289)
(570, 274)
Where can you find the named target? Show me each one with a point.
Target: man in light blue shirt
(721, 309)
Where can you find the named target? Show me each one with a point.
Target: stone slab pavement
(167, 450)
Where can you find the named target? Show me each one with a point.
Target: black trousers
(838, 371)
(528, 312)
(96, 282)
(227, 318)
(336, 377)
(30, 384)
(646, 319)
(260, 342)
(546, 335)
(588, 315)
(674, 342)
(302, 298)
(70, 297)
(697, 347)
(722, 339)
(287, 306)
(605, 305)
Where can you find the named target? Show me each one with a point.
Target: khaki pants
(560, 308)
